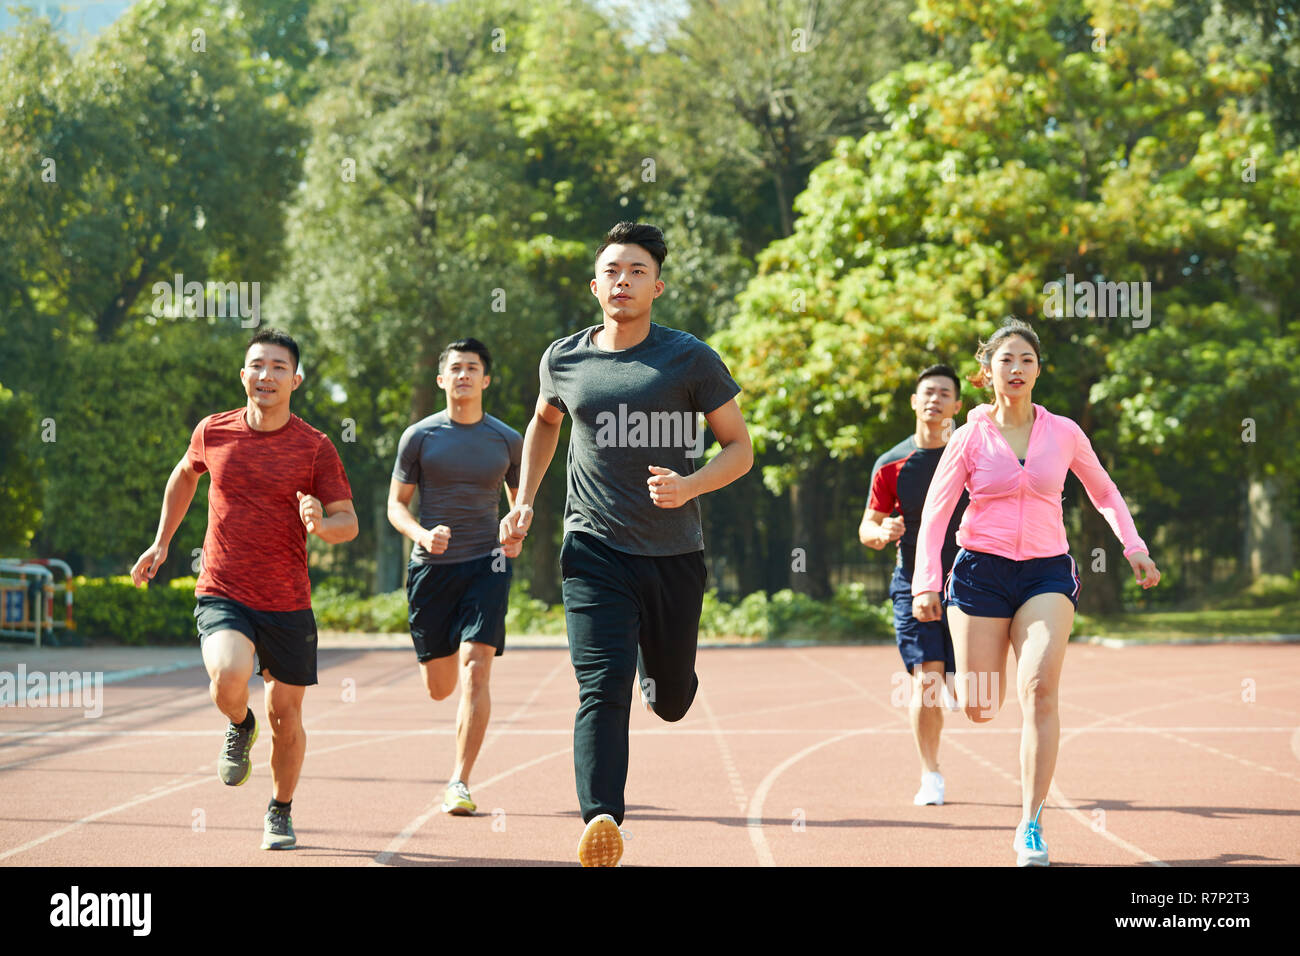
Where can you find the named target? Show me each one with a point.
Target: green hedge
(114, 608)
(387, 613)
(790, 616)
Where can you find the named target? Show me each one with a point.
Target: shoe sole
(601, 844)
(283, 845)
(247, 756)
(459, 811)
(938, 802)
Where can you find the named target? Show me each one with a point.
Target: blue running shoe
(1030, 847)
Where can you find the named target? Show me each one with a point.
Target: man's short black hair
(467, 345)
(650, 238)
(275, 337)
(944, 370)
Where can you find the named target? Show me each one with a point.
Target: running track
(789, 757)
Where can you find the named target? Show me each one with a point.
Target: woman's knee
(1038, 696)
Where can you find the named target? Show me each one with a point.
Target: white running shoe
(931, 792)
(1030, 847)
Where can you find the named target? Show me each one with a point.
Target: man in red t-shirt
(271, 471)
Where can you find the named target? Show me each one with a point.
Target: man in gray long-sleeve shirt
(458, 582)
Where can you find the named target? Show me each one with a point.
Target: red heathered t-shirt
(255, 550)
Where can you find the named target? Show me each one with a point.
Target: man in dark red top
(899, 483)
(271, 471)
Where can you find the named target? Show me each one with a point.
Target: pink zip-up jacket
(1014, 511)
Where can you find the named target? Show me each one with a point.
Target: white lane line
(755, 811)
(75, 683)
(132, 742)
(802, 705)
(1171, 733)
(652, 732)
(395, 845)
(163, 790)
(1016, 781)
(399, 841)
(724, 750)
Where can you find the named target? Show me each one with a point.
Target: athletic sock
(247, 722)
(277, 805)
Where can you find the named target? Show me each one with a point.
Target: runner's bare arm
(671, 490)
(511, 549)
(879, 529)
(338, 524)
(399, 510)
(540, 441)
(176, 501)
(433, 540)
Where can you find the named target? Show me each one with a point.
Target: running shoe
(456, 800)
(931, 792)
(278, 834)
(601, 843)
(1030, 847)
(234, 765)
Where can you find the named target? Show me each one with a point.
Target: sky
(81, 19)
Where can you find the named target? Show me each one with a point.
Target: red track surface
(791, 756)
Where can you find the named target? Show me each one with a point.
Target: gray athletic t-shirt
(632, 409)
(460, 470)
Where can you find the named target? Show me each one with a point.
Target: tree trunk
(752, 499)
(389, 564)
(542, 546)
(424, 387)
(543, 552)
(1268, 535)
(1100, 590)
(809, 567)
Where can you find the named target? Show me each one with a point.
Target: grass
(1157, 626)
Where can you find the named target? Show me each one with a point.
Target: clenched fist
(514, 528)
(435, 540)
(667, 488)
(311, 511)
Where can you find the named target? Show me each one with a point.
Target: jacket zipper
(1020, 495)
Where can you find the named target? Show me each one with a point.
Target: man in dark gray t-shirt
(458, 582)
(632, 561)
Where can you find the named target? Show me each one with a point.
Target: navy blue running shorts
(989, 585)
(451, 603)
(918, 641)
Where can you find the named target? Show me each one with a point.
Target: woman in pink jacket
(1014, 580)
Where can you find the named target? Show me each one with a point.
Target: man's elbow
(393, 508)
(744, 454)
(349, 531)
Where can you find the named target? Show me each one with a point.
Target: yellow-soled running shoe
(601, 843)
(456, 800)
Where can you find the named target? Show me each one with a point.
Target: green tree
(166, 146)
(1016, 170)
(20, 477)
